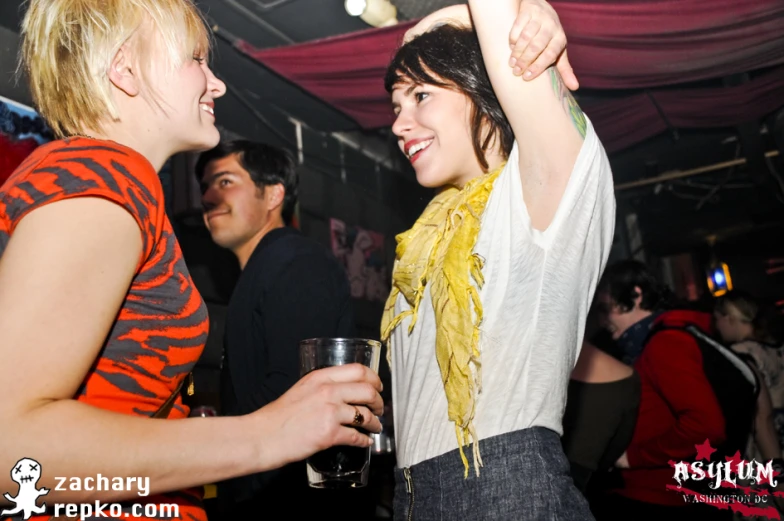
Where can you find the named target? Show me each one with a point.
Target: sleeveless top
(598, 424)
(162, 326)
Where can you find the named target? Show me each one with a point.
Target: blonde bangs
(68, 47)
(181, 29)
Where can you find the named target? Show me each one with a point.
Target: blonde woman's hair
(763, 317)
(68, 47)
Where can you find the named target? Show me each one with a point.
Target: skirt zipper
(410, 490)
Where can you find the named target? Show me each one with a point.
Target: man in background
(290, 289)
(690, 392)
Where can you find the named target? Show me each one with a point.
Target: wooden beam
(679, 174)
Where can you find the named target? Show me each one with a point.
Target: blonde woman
(100, 322)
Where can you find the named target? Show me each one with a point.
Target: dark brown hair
(450, 57)
(620, 279)
(267, 165)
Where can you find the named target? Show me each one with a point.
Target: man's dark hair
(620, 279)
(450, 57)
(267, 165)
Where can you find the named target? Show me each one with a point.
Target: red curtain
(626, 121)
(346, 71)
(631, 44)
(614, 44)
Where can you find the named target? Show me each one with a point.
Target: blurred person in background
(291, 289)
(601, 412)
(691, 390)
(753, 329)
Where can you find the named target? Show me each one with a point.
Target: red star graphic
(704, 451)
(736, 461)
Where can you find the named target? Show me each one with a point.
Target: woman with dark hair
(493, 283)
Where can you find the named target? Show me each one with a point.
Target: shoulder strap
(702, 339)
(659, 328)
(729, 354)
(166, 407)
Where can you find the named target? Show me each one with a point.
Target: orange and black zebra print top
(162, 327)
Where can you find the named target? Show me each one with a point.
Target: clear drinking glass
(340, 466)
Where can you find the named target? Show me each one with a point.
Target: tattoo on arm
(567, 100)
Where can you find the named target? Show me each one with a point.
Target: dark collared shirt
(291, 289)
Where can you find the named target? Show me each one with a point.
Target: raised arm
(547, 122)
(64, 275)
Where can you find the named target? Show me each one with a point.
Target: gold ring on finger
(358, 418)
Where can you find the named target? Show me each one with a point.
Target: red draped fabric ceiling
(613, 44)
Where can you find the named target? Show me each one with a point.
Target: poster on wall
(22, 130)
(362, 253)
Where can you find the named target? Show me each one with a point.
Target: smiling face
(235, 209)
(195, 91)
(433, 128)
(449, 122)
(83, 58)
(183, 101)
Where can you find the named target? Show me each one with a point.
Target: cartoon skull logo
(26, 474)
(25, 471)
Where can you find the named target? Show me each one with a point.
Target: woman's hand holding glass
(318, 412)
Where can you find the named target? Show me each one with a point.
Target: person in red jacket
(678, 407)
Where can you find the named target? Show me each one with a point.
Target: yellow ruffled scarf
(439, 249)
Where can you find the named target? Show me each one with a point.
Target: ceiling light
(356, 7)
(378, 13)
(719, 280)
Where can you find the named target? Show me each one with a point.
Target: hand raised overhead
(537, 39)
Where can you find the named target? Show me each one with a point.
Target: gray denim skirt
(525, 477)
